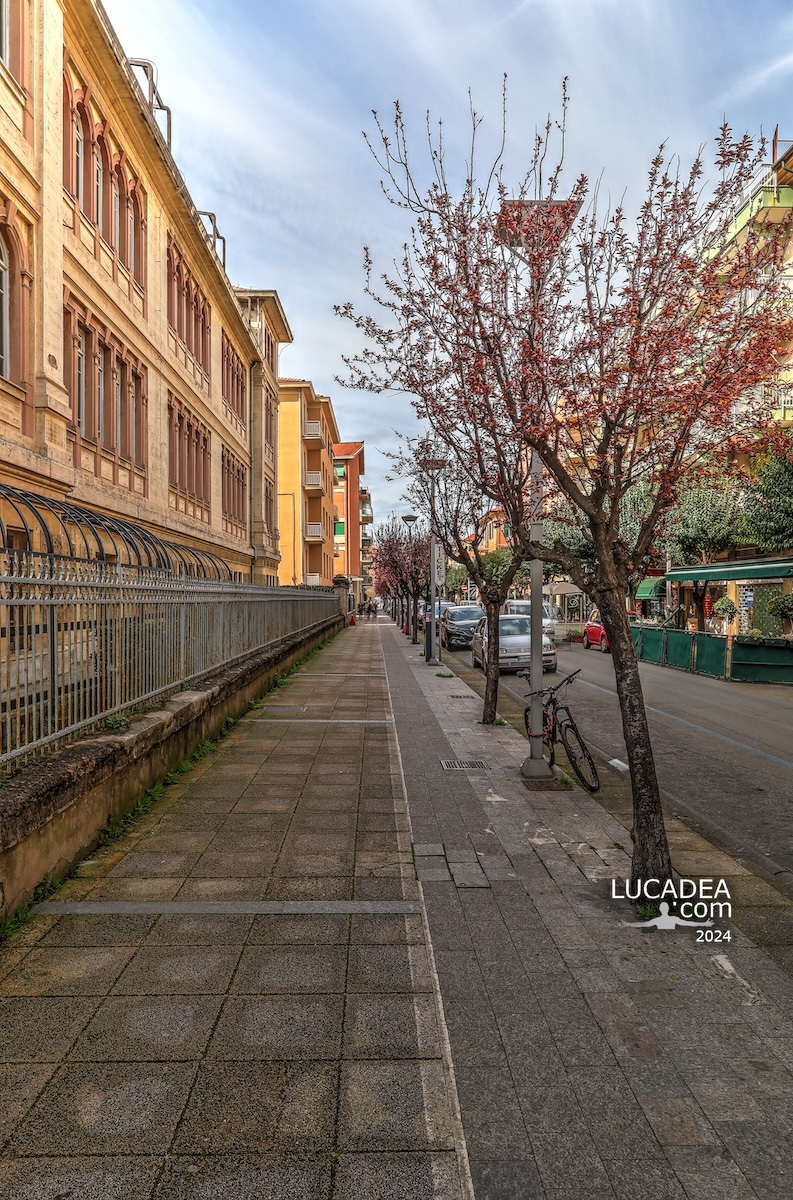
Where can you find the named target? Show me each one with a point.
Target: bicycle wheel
(547, 738)
(579, 757)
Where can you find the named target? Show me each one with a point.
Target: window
(188, 454)
(101, 397)
(81, 415)
(234, 493)
(99, 188)
(233, 379)
(79, 159)
(116, 222)
(188, 311)
(5, 328)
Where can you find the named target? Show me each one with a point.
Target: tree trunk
(491, 663)
(414, 619)
(651, 859)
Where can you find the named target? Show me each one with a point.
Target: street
(723, 750)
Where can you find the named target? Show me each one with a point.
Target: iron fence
(83, 641)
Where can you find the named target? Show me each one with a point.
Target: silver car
(514, 651)
(523, 608)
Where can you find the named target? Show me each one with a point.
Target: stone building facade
(134, 380)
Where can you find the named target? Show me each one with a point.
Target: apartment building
(351, 520)
(133, 382)
(307, 432)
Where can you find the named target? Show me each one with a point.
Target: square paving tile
(386, 930)
(238, 864)
(200, 929)
(148, 1029)
(106, 1108)
(391, 1026)
(419, 1176)
(266, 970)
(166, 971)
(308, 929)
(274, 1177)
(41, 1029)
(394, 1106)
(388, 969)
(66, 971)
(95, 1178)
(20, 1083)
(117, 929)
(278, 1028)
(255, 1108)
(151, 866)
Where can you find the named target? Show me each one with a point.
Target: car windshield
(523, 607)
(466, 614)
(514, 626)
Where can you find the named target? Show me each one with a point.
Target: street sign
(440, 565)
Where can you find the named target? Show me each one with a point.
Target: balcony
(313, 580)
(312, 432)
(366, 514)
(313, 532)
(314, 483)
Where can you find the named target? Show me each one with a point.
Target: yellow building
(306, 513)
(131, 381)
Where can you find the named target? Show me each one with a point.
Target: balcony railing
(313, 429)
(313, 580)
(314, 531)
(314, 481)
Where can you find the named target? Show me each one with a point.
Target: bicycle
(559, 726)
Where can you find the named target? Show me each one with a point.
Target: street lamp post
(410, 520)
(432, 642)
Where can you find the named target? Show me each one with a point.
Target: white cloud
(269, 100)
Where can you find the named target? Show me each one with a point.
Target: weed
(618, 846)
(116, 723)
(172, 777)
(647, 911)
(205, 748)
(11, 925)
(48, 887)
(444, 675)
(499, 721)
(185, 766)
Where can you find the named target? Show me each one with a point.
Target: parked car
(514, 649)
(595, 633)
(458, 622)
(440, 606)
(523, 608)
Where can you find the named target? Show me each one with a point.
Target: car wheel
(604, 646)
(585, 642)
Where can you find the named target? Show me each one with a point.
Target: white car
(514, 650)
(523, 608)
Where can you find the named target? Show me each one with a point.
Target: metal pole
(429, 626)
(536, 766)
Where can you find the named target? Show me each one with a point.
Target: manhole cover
(463, 764)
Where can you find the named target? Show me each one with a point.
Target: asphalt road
(723, 751)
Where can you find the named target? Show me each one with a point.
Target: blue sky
(269, 101)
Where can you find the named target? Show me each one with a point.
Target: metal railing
(82, 641)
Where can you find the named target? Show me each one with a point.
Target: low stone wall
(52, 812)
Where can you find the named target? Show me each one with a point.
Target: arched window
(115, 230)
(79, 158)
(100, 184)
(5, 326)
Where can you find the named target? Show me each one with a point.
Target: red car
(595, 634)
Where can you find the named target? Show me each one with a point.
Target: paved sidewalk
(591, 1060)
(254, 1010)
(249, 1012)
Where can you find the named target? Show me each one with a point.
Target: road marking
(86, 908)
(619, 764)
(785, 762)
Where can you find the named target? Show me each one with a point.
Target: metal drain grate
(463, 764)
(291, 707)
(460, 696)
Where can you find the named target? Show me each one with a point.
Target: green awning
(722, 572)
(649, 589)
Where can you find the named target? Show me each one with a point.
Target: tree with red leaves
(400, 566)
(623, 352)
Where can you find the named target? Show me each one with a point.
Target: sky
(270, 100)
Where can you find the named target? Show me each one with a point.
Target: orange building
(354, 513)
(307, 431)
